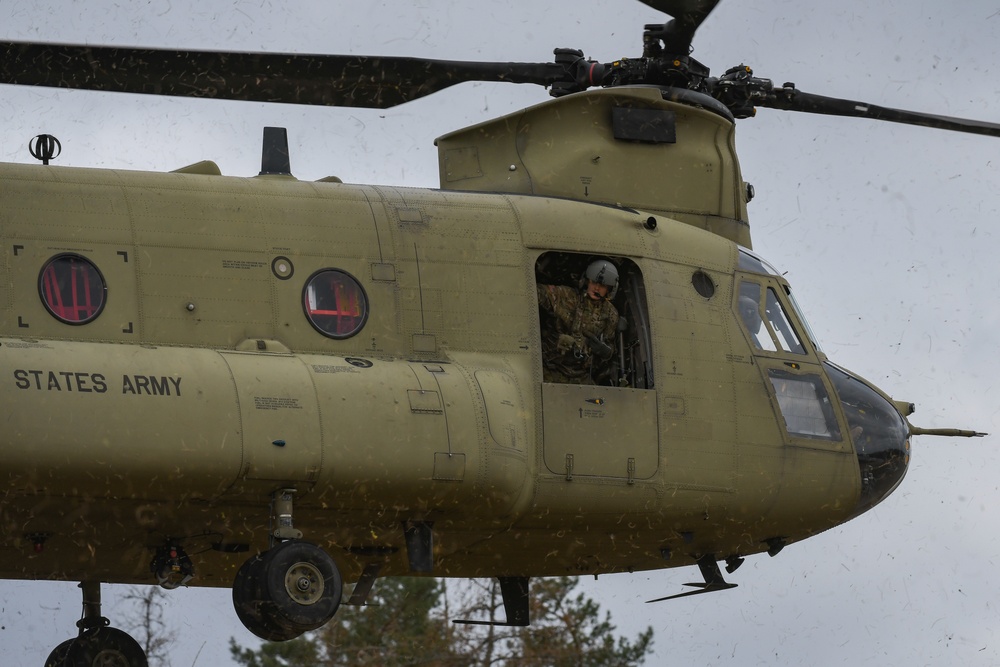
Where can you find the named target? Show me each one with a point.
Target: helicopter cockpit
(803, 389)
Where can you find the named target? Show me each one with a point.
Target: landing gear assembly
(291, 588)
(97, 643)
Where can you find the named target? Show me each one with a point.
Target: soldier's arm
(545, 297)
(611, 327)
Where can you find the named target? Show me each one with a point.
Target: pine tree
(407, 622)
(570, 631)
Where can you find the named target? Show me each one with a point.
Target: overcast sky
(887, 233)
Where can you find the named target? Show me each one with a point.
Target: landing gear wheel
(58, 656)
(251, 608)
(103, 647)
(293, 588)
(302, 584)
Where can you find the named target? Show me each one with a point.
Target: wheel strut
(91, 607)
(281, 503)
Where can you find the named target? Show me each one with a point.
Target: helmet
(750, 314)
(604, 273)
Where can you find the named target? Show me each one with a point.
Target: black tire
(59, 654)
(302, 585)
(251, 607)
(103, 647)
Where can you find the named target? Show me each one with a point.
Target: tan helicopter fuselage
(159, 419)
(201, 388)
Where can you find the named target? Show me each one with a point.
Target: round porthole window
(335, 303)
(72, 289)
(703, 284)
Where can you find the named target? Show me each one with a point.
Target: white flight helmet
(603, 272)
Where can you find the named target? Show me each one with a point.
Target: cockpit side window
(765, 319)
(778, 319)
(749, 306)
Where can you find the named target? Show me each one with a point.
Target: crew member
(580, 326)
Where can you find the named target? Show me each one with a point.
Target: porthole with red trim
(72, 289)
(335, 303)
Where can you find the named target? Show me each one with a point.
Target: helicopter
(169, 386)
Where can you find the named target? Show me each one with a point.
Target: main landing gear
(289, 589)
(97, 645)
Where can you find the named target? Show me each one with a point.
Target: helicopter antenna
(44, 147)
(274, 159)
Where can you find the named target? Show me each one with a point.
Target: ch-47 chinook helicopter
(283, 386)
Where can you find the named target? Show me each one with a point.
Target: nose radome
(879, 434)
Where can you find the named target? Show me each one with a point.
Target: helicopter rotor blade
(792, 99)
(688, 11)
(329, 80)
(687, 16)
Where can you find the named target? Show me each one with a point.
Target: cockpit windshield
(751, 263)
(803, 320)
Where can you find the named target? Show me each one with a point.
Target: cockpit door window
(805, 405)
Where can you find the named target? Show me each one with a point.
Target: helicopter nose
(879, 434)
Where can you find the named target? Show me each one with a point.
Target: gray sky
(887, 234)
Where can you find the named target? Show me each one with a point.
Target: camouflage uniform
(566, 354)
